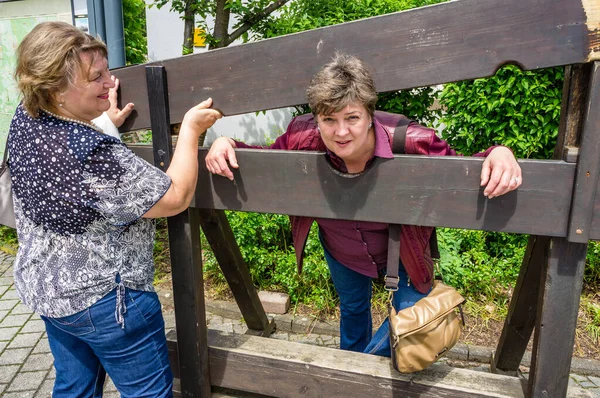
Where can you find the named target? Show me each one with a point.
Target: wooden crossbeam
(284, 369)
(436, 191)
(431, 45)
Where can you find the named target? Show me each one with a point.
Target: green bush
(480, 263)
(519, 109)
(266, 245)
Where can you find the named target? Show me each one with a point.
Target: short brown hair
(343, 81)
(48, 59)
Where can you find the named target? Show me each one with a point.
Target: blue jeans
(356, 325)
(91, 343)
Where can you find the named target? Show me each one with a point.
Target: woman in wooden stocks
(84, 206)
(345, 125)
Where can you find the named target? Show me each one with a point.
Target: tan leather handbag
(421, 334)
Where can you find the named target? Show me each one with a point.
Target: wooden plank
(520, 320)
(286, 369)
(224, 246)
(435, 191)
(558, 305)
(588, 166)
(186, 257)
(447, 42)
(573, 105)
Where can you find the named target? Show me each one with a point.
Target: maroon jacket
(302, 135)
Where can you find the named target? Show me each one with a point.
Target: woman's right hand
(221, 151)
(200, 117)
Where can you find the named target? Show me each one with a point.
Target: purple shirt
(359, 245)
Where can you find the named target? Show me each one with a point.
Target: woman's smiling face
(87, 97)
(348, 133)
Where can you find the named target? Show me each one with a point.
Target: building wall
(17, 18)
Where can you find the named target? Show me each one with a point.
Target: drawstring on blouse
(121, 307)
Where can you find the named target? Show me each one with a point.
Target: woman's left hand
(500, 173)
(116, 115)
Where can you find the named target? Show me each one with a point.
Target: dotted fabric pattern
(79, 197)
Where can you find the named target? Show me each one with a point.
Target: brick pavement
(26, 362)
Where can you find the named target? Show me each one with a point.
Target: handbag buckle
(391, 283)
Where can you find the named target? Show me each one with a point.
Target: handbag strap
(391, 278)
(4, 165)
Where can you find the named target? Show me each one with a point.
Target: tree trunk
(188, 29)
(221, 31)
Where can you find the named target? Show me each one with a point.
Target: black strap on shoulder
(391, 280)
(399, 139)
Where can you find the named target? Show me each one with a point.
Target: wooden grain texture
(558, 304)
(286, 369)
(520, 320)
(447, 42)
(588, 166)
(186, 257)
(225, 249)
(434, 191)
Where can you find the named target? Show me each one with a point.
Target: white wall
(165, 39)
(17, 18)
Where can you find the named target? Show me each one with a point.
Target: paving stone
(8, 304)
(6, 280)
(7, 334)
(42, 346)
(4, 289)
(111, 394)
(51, 374)
(21, 309)
(3, 387)
(38, 362)
(274, 302)
(45, 390)
(14, 320)
(595, 380)
(23, 340)
(7, 373)
(239, 329)
(3, 345)
(26, 381)
(279, 336)
(3, 313)
(479, 354)
(587, 384)
(573, 382)
(19, 394)
(10, 294)
(578, 378)
(14, 357)
(109, 386)
(35, 324)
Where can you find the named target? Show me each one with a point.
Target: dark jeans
(356, 325)
(91, 343)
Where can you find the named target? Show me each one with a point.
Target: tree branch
(250, 20)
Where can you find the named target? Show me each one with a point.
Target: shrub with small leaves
(519, 109)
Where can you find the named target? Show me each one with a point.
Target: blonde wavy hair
(48, 60)
(343, 81)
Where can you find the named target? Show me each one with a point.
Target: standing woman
(84, 204)
(345, 126)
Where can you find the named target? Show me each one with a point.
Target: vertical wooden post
(521, 316)
(523, 310)
(222, 241)
(560, 288)
(186, 257)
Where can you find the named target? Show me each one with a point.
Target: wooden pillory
(556, 205)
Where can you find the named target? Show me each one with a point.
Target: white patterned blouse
(79, 196)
